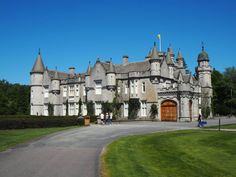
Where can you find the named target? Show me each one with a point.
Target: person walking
(199, 120)
(102, 118)
(111, 117)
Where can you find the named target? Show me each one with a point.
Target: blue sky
(74, 32)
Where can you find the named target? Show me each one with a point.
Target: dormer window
(98, 87)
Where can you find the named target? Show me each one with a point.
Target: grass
(10, 138)
(186, 153)
(226, 126)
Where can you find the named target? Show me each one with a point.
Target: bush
(20, 122)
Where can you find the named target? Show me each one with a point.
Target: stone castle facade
(159, 79)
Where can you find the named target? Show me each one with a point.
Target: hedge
(20, 122)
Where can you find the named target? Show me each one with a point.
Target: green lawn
(10, 138)
(227, 126)
(186, 153)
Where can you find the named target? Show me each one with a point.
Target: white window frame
(71, 109)
(143, 87)
(84, 90)
(98, 108)
(136, 87)
(98, 87)
(46, 91)
(126, 88)
(126, 109)
(77, 90)
(64, 91)
(132, 86)
(71, 90)
(64, 109)
(143, 108)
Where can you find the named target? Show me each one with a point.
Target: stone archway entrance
(168, 111)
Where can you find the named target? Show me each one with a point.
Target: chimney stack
(125, 60)
(72, 71)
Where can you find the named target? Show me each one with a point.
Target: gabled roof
(133, 67)
(38, 65)
(60, 75)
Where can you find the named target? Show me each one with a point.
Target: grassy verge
(227, 126)
(10, 138)
(181, 153)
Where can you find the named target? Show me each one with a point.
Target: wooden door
(168, 111)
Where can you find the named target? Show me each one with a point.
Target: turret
(36, 75)
(170, 64)
(111, 76)
(180, 60)
(56, 94)
(155, 61)
(87, 77)
(55, 83)
(204, 77)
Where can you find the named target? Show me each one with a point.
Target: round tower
(36, 87)
(111, 76)
(204, 71)
(56, 94)
(155, 62)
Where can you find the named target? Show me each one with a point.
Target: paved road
(75, 153)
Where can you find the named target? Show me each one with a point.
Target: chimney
(72, 71)
(125, 60)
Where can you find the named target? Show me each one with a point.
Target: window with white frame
(118, 89)
(64, 110)
(126, 88)
(136, 86)
(84, 90)
(71, 109)
(98, 108)
(84, 109)
(143, 87)
(131, 86)
(77, 90)
(76, 109)
(45, 92)
(143, 108)
(64, 91)
(45, 110)
(98, 87)
(126, 109)
(71, 90)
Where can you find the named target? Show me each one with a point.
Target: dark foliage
(14, 99)
(134, 106)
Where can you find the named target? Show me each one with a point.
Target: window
(126, 109)
(84, 90)
(98, 87)
(98, 108)
(45, 92)
(118, 89)
(84, 109)
(126, 88)
(64, 91)
(143, 87)
(71, 90)
(71, 109)
(45, 110)
(143, 108)
(64, 109)
(76, 109)
(136, 86)
(77, 90)
(132, 87)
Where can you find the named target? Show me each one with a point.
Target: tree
(134, 106)
(153, 111)
(90, 108)
(80, 105)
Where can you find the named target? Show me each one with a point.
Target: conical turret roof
(168, 59)
(38, 65)
(111, 68)
(179, 56)
(88, 73)
(154, 52)
(56, 77)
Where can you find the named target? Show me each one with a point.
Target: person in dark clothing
(199, 120)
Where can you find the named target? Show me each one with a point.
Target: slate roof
(38, 65)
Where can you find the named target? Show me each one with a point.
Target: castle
(159, 79)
